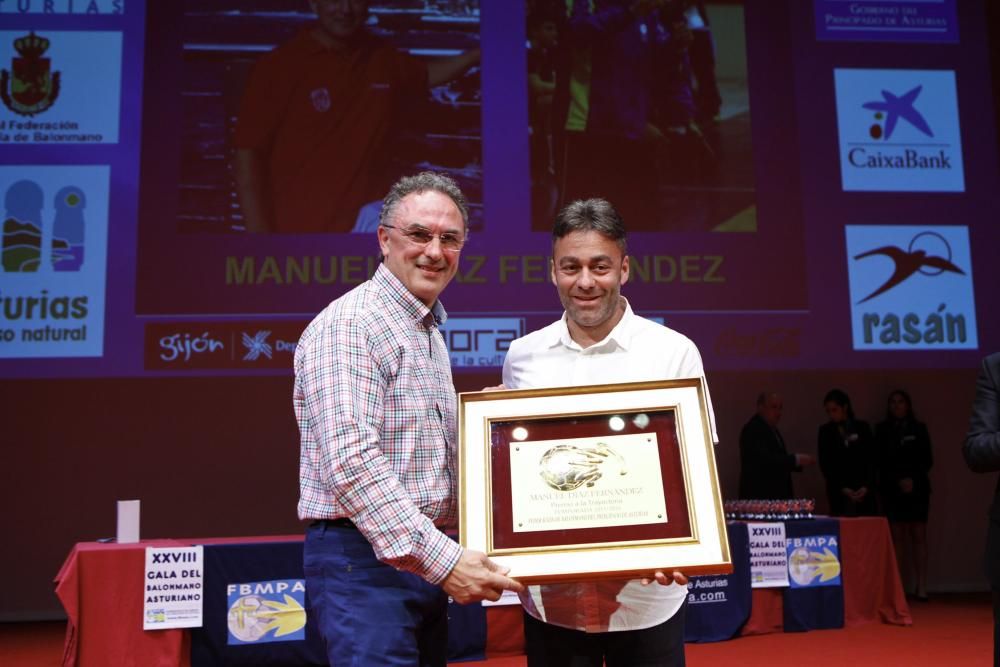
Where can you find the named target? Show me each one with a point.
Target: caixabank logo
(898, 130)
(911, 288)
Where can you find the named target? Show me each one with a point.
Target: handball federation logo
(320, 98)
(30, 87)
(813, 560)
(807, 567)
(266, 611)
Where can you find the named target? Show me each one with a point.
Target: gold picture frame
(588, 482)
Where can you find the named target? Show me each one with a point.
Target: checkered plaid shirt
(376, 406)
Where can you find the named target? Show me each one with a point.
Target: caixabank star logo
(911, 287)
(899, 131)
(30, 87)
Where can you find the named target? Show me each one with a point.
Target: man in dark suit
(765, 465)
(982, 453)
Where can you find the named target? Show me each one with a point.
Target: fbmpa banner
(815, 598)
(813, 561)
(266, 611)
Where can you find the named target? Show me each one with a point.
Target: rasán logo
(33, 87)
(899, 130)
(914, 259)
(911, 287)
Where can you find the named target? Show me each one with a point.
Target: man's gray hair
(425, 181)
(590, 215)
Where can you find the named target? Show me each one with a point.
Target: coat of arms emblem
(320, 99)
(31, 86)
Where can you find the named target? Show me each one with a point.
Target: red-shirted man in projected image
(317, 117)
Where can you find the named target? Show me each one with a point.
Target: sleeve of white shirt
(508, 378)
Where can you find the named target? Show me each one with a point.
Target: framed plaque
(576, 483)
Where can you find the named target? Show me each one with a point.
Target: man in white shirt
(600, 340)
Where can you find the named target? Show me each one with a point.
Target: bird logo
(912, 260)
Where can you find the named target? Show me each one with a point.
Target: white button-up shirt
(636, 350)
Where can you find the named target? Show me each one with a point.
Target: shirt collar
(307, 42)
(411, 305)
(621, 335)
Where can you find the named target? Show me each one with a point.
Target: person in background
(847, 459)
(905, 460)
(982, 454)
(598, 340)
(766, 467)
(316, 117)
(708, 101)
(622, 99)
(543, 42)
(376, 410)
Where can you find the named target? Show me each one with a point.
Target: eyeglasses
(450, 241)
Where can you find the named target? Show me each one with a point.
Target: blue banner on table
(815, 597)
(719, 605)
(466, 632)
(256, 611)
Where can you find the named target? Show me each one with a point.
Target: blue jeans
(369, 613)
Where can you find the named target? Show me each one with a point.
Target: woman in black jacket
(847, 458)
(904, 462)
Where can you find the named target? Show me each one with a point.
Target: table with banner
(841, 572)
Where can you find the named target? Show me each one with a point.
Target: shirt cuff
(441, 557)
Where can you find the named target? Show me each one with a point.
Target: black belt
(342, 522)
(335, 523)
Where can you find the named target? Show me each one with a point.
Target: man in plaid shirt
(376, 407)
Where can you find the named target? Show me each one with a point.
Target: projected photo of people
(299, 114)
(643, 102)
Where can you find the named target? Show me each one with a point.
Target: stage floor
(951, 629)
